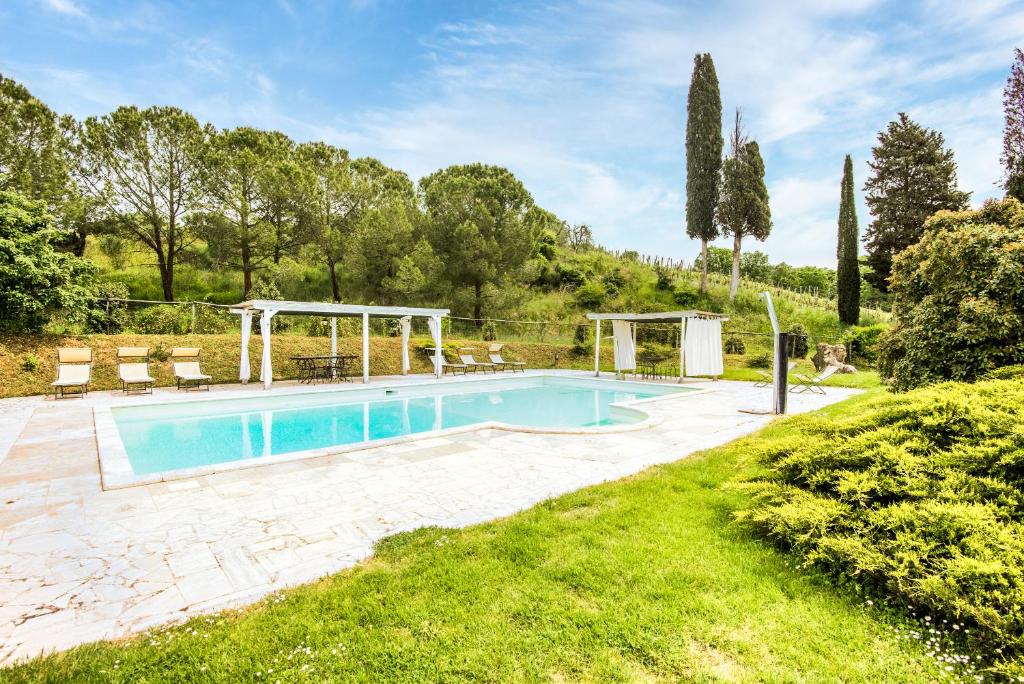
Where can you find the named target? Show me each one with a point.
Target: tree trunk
(246, 272)
(735, 284)
(703, 265)
(478, 303)
(166, 267)
(335, 292)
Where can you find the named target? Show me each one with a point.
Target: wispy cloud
(66, 7)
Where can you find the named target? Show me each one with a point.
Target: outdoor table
(325, 367)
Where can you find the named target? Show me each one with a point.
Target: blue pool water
(167, 437)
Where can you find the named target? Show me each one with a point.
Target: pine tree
(703, 156)
(848, 268)
(743, 205)
(913, 176)
(1013, 131)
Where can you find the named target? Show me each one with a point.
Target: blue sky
(584, 101)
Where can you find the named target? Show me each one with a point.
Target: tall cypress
(704, 145)
(848, 269)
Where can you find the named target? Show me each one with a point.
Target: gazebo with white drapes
(700, 348)
(266, 309)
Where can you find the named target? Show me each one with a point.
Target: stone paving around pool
(79, 564)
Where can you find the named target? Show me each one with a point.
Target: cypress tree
(848, 268)
(704, 144)
(913, 176)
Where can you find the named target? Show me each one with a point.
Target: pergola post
(334, 343)
(244, 370)
(436, 329)
(266, 367)
(682, 349)
(597, 349)
(366, 348)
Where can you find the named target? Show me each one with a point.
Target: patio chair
(466, 357)
(74, 369)
(133, 369)
(766, 378)
(806, 383)
(494, 353)
(187, 374)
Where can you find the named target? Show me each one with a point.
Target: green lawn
(646, 579)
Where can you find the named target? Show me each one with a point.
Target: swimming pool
(158, 438)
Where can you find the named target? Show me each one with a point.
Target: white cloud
(66, 7)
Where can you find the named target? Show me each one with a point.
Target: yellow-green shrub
(919, 496)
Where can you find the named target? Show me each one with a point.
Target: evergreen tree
(743, 205)
(703, 156)
(913, 176)
(1013, 132)
(848, 268)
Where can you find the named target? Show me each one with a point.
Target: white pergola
(266, 309)
(680, 317)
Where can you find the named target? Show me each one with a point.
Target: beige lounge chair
(806, 383)
(494, 353)
(133, 369)
(467, 360)
(74, 369)
(766, 377)
(187, 373)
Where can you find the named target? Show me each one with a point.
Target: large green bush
(863, 341)
(36, 280)
(918, 496)
(959, 298)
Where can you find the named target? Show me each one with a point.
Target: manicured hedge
(919, 497)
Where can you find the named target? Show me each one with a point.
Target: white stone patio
(78, 563)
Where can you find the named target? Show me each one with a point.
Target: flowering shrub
(920, 497)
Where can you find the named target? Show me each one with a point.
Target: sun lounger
(494, 353)
(467, 359)
(133, 369)
(806, 383)
(74, 369)
(766, 378)
(187, 373)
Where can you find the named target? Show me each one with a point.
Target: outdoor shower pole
(780, 364)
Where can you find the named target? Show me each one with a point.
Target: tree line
(162, 181)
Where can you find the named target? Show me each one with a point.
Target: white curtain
(704, 346)
(406, 322)
(243, 363)
(435, 333)
(625, 350)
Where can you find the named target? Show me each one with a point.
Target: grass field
(645, 579)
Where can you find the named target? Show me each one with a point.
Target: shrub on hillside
(108, 313)
(735, 345)
(920, 497)
(590, 294)
(959, 298)
(763, 360)
(862, 340)
(163, 319)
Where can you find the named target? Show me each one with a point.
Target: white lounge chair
(766, 377)
(805, 383)
(74, 369)
(467, 359)
(133, 369)
(187, 373)
(494, 353)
